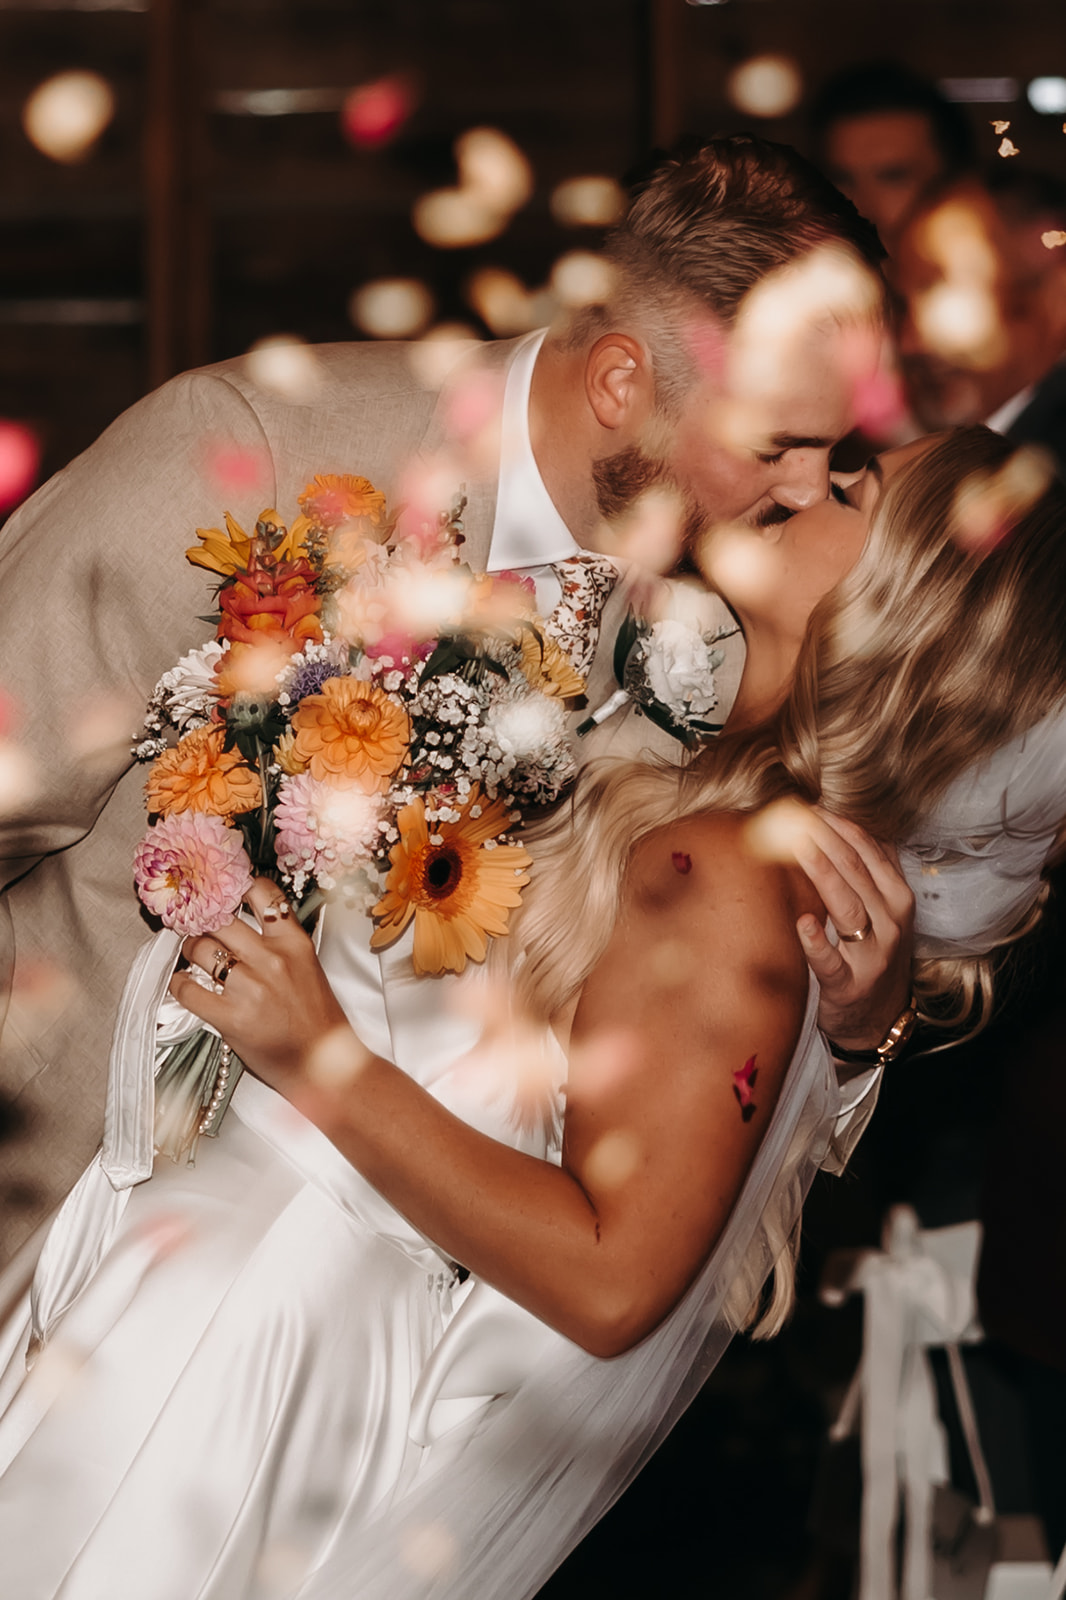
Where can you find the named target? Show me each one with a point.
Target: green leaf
(627, 636)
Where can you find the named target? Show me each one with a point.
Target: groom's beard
(621, 479)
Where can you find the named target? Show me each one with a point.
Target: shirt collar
(527, 531)
(1009, 412)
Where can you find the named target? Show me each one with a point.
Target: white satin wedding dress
(230, 1348)
(252, 1367)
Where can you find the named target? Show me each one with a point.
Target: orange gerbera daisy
(351, 732)
(458, 890)
(337, 497)
(199, 775)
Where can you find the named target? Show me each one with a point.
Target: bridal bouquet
(369, 722)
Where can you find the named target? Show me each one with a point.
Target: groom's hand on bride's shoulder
(866, 978)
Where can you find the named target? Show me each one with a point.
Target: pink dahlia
(322, 830)
(192, 871)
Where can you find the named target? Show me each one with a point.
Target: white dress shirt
(528, 533)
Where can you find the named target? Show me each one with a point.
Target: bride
(223, 1402)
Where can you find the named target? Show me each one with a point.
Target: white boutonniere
(667, 670)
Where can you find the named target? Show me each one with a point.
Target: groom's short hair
(703, 227)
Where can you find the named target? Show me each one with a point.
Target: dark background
(195, 226)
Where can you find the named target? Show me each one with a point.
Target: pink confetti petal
(744, 1086)
(375, 112)
(20, 460)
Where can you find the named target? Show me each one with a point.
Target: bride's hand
(866, 979)
(276, 1006)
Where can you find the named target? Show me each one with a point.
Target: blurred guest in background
(980, 268)
(884, 134)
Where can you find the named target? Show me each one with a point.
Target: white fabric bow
(919, 1292)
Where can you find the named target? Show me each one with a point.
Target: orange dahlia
(351, 732)
(199, 775)
(458, 885)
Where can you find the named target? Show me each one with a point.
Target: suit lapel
(478, 362)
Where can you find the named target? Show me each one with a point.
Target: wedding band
(225, 961)
(859, 935)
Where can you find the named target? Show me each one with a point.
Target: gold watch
(892, 1045)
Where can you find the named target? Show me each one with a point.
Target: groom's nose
(802, 479)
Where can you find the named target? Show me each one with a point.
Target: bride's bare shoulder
(706, 858)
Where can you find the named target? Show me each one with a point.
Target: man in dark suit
(981, 270)
(981, 275)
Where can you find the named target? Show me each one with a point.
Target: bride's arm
(680, 1043)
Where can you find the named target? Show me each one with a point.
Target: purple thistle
(309, 678)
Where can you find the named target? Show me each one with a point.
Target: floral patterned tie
(586, 582)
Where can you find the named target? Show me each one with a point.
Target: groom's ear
(619, 385)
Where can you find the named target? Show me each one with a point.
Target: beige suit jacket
(96, 603)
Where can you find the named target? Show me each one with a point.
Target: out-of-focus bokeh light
(40, 991)
(234, 469)
(452, 219)
(999, 126)
(19, 782)
(959, 320)
(433, 357)
(285, 364)
(492, 166)
(673, 963)
(495, 178)
(56, 1371)
(505, 304)
(65, 115)
(282, 1568)
(430, 1551)
(649, 533)
(765, 86)
(374, 113)
(335, 1060)
(581, 278)
(591, 202)
(1007, 147)
(392, 308)
(1053, 239)
(818, 315)
(878, 402)
(20, 462)
(102, 727)
(958, 316)
(253, 668)
(778, 832)
(989, 504)
(1047, 95)
(613, 1160)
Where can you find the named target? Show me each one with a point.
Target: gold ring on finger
(224, 963)
(859, 935)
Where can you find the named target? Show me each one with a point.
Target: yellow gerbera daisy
(458, 890)
(547, 667)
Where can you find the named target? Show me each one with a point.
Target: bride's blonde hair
(928, 655)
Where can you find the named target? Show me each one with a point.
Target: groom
(548, 435)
